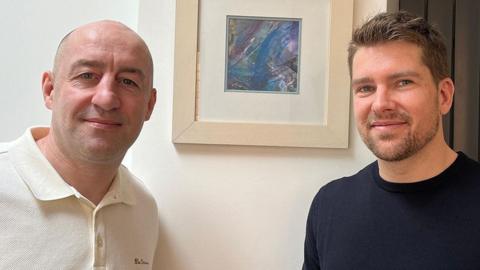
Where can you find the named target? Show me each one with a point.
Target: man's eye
(364, 89)
(128, 82)
(404, 82)
(86, 76)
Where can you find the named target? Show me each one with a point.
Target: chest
(392, 231)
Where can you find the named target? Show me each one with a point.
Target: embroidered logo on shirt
(139, 261)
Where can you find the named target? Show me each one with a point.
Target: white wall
(221, 207)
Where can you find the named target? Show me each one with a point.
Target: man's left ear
(445, 97)
(47, 89)
(151, 103)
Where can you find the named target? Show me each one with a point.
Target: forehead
(107, 43)
(387, 57)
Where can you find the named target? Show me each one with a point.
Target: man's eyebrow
(362, 80)
(99, 64)
(394, 76)
(404, 74)
(133, 70)
(85, 63)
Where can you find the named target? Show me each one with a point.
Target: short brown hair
(403, 26)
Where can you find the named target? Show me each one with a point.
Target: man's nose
(106, 96)
(383, 100)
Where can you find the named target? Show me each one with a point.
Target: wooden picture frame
(189, 128)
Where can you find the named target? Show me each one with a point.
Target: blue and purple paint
(262, 54)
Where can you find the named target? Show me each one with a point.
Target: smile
(387, 125)
(103, 123)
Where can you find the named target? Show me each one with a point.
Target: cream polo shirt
(46, 224)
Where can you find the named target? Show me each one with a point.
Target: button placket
(100, 240)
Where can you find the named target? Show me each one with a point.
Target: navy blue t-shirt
(365, 222)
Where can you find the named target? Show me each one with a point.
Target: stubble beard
(405, 147)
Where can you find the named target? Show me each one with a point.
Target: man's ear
(445, 95)
(47, 89)
(151, 103)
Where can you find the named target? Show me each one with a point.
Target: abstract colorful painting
(262, 54)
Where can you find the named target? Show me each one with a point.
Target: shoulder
(465, 168)
(347, 186)
(339, 197)
(468, 163)
(138, 189)
(4, 147)
(4, 153)
(141, 203)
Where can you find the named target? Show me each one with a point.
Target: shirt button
(99, 242)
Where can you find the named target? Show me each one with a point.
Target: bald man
(66, 202)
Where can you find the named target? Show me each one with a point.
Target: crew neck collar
(422, 185)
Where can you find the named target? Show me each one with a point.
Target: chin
(392, 155)
(390, 150)
(103, 153)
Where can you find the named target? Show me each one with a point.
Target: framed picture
(238, 68)
(262, 54)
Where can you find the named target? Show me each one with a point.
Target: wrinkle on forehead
(114, 32)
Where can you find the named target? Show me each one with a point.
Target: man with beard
(66, 202)
(417, 206)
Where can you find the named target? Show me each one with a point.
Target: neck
(91, 179)
(430, 161)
